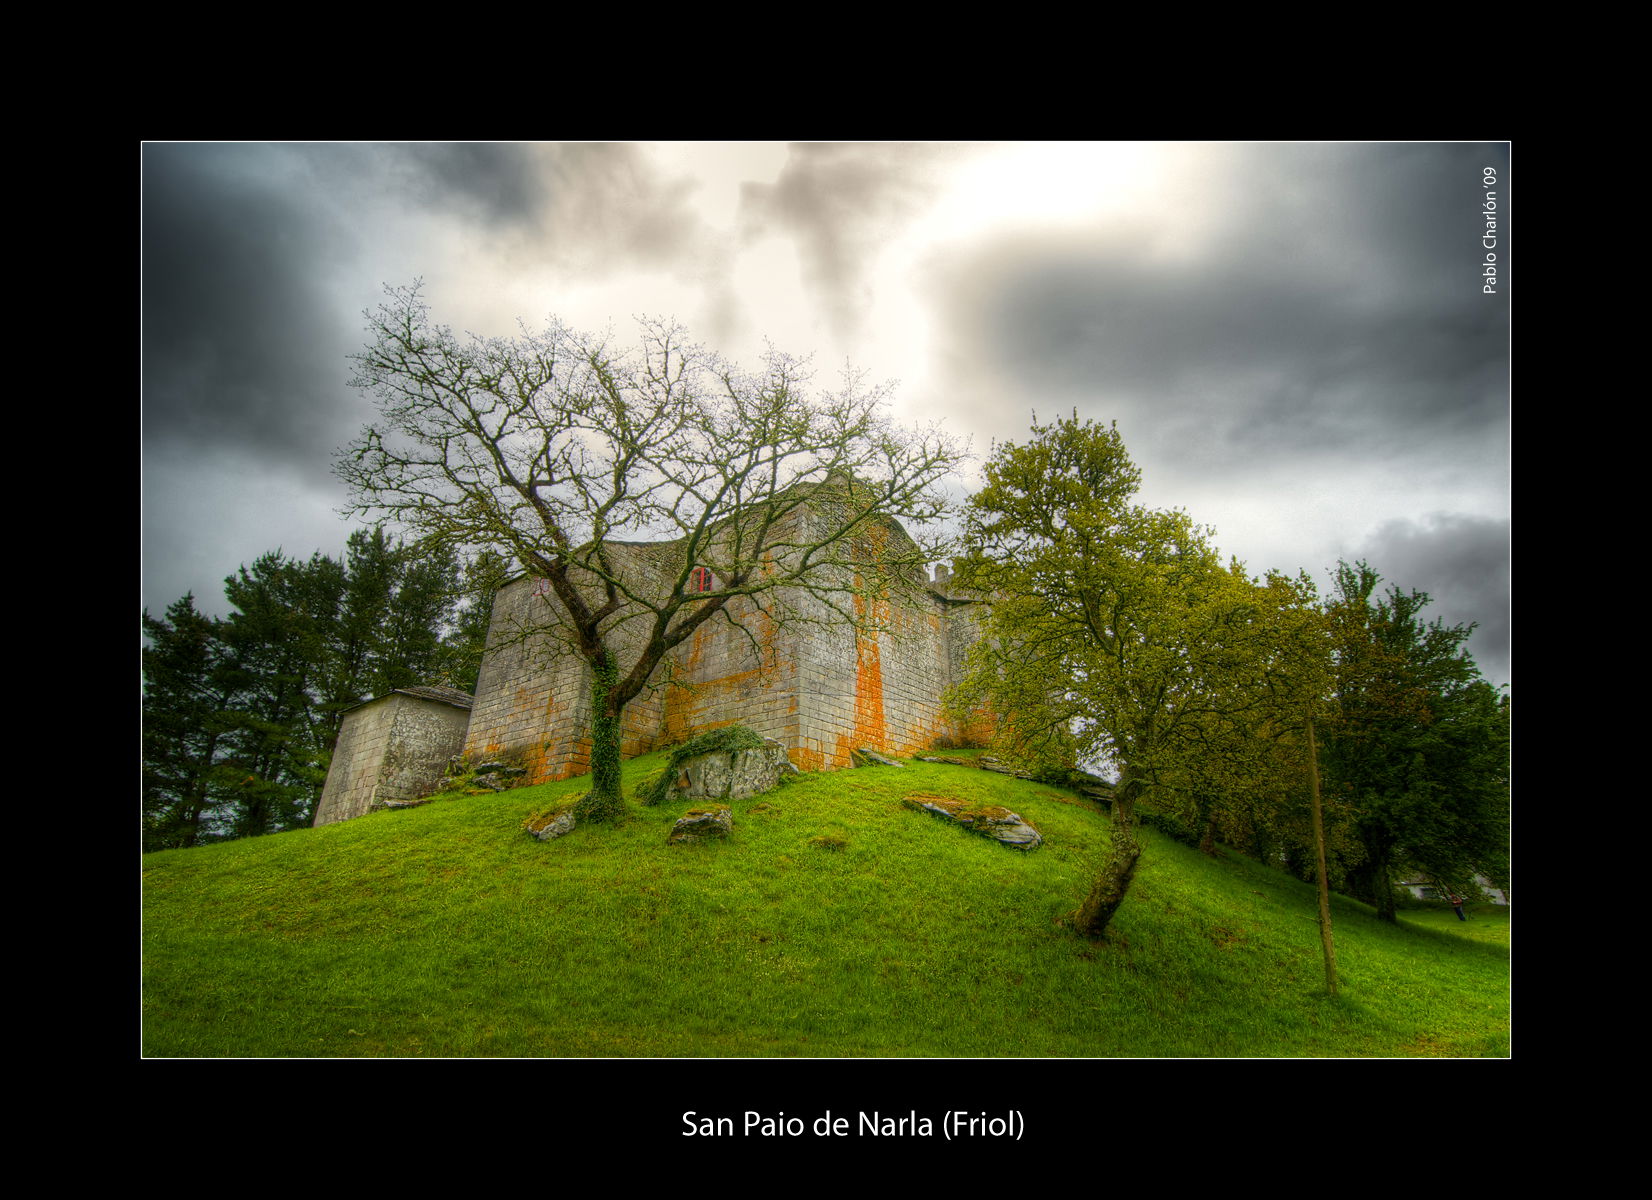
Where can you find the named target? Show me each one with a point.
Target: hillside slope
(835, 922)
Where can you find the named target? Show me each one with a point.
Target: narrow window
(700, 580)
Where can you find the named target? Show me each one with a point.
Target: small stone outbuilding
(393, 747)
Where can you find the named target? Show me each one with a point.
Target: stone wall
(876, 682)
(392, 748)
(533, 693)
(822, 676)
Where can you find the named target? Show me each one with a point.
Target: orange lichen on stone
(679, 711)
(869, 727)
(679, 702)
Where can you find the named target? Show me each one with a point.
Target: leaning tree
(1115, 633)
(562, 452)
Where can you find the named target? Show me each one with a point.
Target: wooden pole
(1324, 878)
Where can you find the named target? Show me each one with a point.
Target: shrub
(651, 784)
(1169, 824)
(593, 808)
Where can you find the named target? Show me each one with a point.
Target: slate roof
(445, 695)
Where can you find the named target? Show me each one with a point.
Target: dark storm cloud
(243, 343)
(1463, 563)
(495, 184)
(842, 203)
(240, 346)
(257, 261)
(1300, 298)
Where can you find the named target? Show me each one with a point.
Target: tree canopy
(556, 450)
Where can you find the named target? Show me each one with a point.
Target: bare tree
(566, 456)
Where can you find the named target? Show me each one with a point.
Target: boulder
(865, 757)
(701, 825)
(734, 774)
(554, 827)
(383, 805)
(988, 820)
(497, 775)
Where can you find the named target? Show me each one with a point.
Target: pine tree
(279, 638)
(1419, 742)
(460, 656)
(188, 696)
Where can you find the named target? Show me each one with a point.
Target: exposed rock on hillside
(989, 820)
(701, 825)
(734, 775)
(390, 805)
(732, 763)
(550, 826)
(497, 776)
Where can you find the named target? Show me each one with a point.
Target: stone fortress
(823, 682)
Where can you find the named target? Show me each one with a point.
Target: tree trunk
(1384, 885)
(1377, 878)
(1327, 946)
(604, 802)
(1113, 883)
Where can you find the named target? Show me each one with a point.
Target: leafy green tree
(560, 454)
(187, 694)
(1115, 633)
(1418, 744)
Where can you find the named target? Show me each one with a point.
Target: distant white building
(1423, 888)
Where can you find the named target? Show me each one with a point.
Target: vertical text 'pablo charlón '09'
(1489, 230)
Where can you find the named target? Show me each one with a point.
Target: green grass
(834, 923)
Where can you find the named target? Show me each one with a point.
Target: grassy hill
(835, 922)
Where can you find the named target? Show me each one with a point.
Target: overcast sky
(1293, 338)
